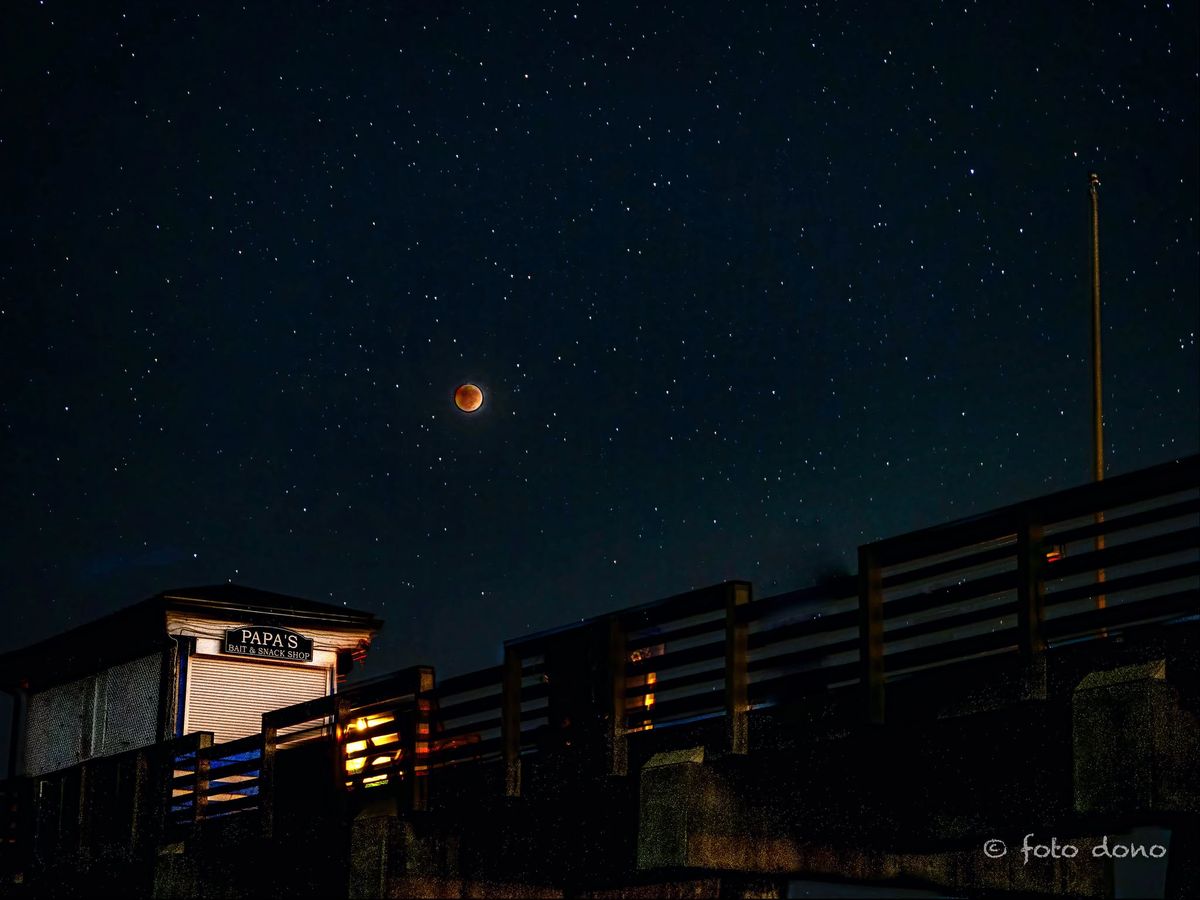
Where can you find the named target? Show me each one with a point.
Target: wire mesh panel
(128, 713)
(54, 729)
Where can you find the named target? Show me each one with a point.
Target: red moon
(468, 398)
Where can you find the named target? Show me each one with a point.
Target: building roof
(142, 628)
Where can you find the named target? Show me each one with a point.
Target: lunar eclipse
(468, 398)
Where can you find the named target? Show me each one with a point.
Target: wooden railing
(1088, 564)
(210, 781)
(676, 657)
(1081, 564)
(381, 728)
(804, 643)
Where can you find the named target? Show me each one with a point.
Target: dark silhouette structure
(944, 723)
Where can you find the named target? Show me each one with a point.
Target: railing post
(1031, 588)
(416, 792)
(144, 797)
(510, 721)
(737, 702)
(200, 786)
(86, 808)
(341, 720)
(266, 778)
(870, 630)
(618, 654)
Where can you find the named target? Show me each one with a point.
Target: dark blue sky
(745, 286)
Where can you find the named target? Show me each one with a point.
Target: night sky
(744, 285)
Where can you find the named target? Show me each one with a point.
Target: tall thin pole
(1097, 411)
(1097, 420)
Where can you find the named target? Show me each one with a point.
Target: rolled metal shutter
(228, 697)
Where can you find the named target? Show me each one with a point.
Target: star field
(744, 285)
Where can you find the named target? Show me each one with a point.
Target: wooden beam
(870, 632)
(510, 721)
(618, 654)
(342, 705)
(417, 744)
(1031, 588)
(737, 703)
(204, 741)
(266, 778)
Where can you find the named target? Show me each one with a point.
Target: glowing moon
(468, 398)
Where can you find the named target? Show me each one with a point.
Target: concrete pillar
(1133, 744)
(670, 782)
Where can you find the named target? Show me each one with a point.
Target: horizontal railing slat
(217, 772)
(803, 655)
(469, 728)
(678, 707)
(676, 682)
(912, 604)
(470, 681)
(692, 603)
(470, 707)
(1117, 524)
(792, 630)
(1123, 554)
(674, 658)
(1123, 583)
(958, 620)
(300, 713)
(466, 751)
(1167, 606)
(677, 634)
(956, 564)
(214, 808)
(251, 743)
(947, 652)
(840, 589)
(801, 683)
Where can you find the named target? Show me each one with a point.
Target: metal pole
(1097, 422)
(1097, 411)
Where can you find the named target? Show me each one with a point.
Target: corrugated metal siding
(54, 726)
(130, 713)
(228, 697)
